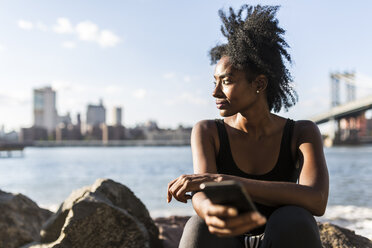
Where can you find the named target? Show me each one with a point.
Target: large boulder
(20, 220)
(333, 236)
(106, 214)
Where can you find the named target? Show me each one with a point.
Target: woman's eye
(225, 81)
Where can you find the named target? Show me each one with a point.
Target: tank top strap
(222, 135)
(291, 124)
(287, 139)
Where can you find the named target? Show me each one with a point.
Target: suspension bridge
(350, 118)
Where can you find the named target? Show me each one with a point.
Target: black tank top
(285, 169)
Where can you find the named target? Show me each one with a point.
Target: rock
(333, 236)
(170, 229)
(20, 220)
(106, 214)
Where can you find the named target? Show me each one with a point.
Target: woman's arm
(204, 151)
(204, 162)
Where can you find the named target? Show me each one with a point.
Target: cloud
(139, 93)
(63, 26)
(69, 44)
(87, 31)
(27, 25)
(108, 39)
(2, 48)
(84, 31)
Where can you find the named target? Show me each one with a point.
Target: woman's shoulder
(305, 130)
(205, 133)
(305, 126)
(207, 127)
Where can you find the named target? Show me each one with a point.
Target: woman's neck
(256, 123)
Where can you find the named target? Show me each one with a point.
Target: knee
(195, 224)
(292, 222)
(194, 232)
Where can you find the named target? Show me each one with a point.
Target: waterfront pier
(8, 149)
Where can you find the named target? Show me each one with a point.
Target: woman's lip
(221, 105)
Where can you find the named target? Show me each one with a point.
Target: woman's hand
(188, 183)
(224, 221)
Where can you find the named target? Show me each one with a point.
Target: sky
(151, 57)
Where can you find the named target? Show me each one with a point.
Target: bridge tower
(349, 79)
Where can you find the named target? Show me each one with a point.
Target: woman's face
(233, 93)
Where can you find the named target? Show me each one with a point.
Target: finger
(222, 211)
(181, 193)
(169, 194)
(215, 221)
(178, 190)
(228, 232)
(221, 232)
(173, 190)
(243, 219)
(258, 218)
(244, 223)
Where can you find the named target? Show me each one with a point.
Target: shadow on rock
(20, 220)
(106, 214)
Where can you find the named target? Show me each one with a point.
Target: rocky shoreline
(107, 214)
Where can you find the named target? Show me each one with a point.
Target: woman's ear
(260, 82)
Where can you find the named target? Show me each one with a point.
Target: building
(68, 132)
(116, 132)
(117, 116)
(45, 112)
(33, 133)
(65, 119)
(96, 115)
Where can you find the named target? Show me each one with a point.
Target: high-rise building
(45, 112)
(78, 119)
(117, 116)
(96, 114)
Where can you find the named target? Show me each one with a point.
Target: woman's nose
(217, 92)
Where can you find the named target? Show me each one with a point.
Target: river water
(48, 175)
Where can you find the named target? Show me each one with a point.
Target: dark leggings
(288, 227)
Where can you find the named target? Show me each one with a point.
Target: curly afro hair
(256, 45)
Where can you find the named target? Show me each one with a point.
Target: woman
(280, 162)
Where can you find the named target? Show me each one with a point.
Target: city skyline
(46, 114)
(151, 58)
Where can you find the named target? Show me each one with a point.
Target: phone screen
(229, 193)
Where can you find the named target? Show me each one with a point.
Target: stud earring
(258, 91)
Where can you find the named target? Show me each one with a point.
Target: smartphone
(229, 193)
